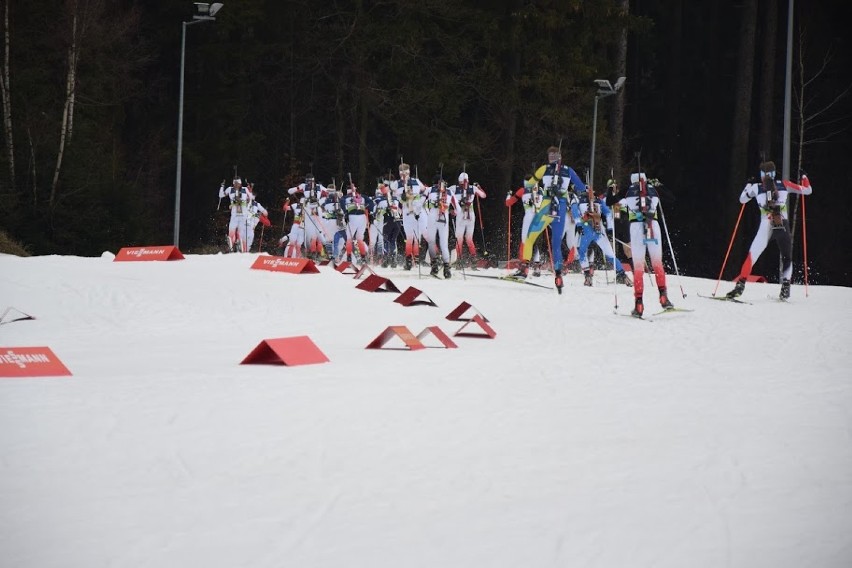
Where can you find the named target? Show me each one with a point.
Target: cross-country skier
(641, 201)
(309, 194)
(410, 191)
(393, 226)
(465, 194)
(771, 197)
(440, 203)
(333, 222)
(556, 178)
(356, 208)
(257, 215)
(378, 214)
(238, 226)
(591, 211)
(531, 197)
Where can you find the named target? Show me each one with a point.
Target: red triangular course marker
(148, 253)
(445, 340)
(376, 283)
(410, 342)
(456, 314)
(410, 298)
(486, 330)
(11, 314)
(365, 270)
(290, 351)
(346, 268)
(325, 262)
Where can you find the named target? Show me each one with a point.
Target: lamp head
(205, 11)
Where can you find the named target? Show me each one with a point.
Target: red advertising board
(285, 264)
(30, 362)
(148, 253)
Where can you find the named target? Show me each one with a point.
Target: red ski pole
(805, 244)
(725, 262)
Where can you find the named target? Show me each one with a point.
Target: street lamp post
(204, 13)
(605, 89)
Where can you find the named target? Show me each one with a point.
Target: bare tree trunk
(33, 167)
(800, 119)
(742, 101)
(5, 85)
(767, 77)
(674, 91)
(68, 112)
(617, 112)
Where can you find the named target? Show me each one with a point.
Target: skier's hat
(463, 177)
(767, 169)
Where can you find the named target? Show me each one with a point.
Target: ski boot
(785, 289)
(385, 261)
(536, 269)
(408, 262)
(638, 309)
(393, 261)
(434, 270)
(737, 291)
(558, 280)
(522, 271)
(622, 278)
(664, 300)
(588, 277)
(447, 273)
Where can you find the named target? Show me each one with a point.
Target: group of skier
(556, 203)
(339, 224)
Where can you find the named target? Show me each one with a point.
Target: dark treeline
(276, 88)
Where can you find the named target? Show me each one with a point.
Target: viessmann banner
(148, 253)
(30, 362)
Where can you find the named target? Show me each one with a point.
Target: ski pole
(671, 250)
(509, 237)
(805, 244)
(725, 261)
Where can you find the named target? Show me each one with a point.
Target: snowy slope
(721, 437)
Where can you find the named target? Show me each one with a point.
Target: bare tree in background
(5, 87)
(815, 125)
(67, 128)
(617, 110)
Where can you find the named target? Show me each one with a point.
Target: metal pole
(180, 135)
(785, 164)
(594, 136)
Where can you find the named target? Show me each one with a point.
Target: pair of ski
(738, 301)
(725, 299)
(650, 317)
(511, 278)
